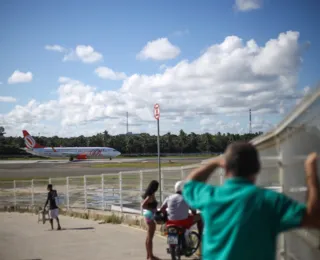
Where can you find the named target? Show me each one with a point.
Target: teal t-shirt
(241, 220)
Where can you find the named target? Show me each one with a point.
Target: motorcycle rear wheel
(195, 238)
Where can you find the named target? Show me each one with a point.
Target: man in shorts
(53, 208)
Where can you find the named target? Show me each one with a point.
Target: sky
(73, 68)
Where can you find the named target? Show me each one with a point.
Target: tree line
(143, 143)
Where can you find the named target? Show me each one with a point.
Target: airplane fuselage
(75, 152)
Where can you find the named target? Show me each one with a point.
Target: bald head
(242, 159)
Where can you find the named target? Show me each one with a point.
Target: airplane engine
(82, 156)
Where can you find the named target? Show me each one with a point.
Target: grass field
(109, 178)
(147, 165)
(133, 165)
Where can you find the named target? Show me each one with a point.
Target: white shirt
(177, 208)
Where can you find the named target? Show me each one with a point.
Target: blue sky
(118, 30)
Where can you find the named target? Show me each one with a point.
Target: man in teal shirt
(241, 220)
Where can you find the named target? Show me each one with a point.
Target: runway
(20, 169)
(121, 160)
(61, 161)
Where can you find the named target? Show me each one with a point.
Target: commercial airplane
(71, 152)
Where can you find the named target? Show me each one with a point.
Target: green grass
(146, 165)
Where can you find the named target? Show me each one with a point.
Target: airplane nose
(118, 153)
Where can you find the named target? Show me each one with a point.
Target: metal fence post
(67, 193)
(14, 194)
(182, 173)
(85, 191)
(161, 187)
(120, 191)
(141, 189)
(221, 176)
(102, 194)
(281, 181)
(32, 193)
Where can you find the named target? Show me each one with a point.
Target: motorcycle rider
(177, 210)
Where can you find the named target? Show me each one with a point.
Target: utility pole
(127, 122)
(157, 117)
(250, 127)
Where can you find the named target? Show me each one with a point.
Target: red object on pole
(156, 111)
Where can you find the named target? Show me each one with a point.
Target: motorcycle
(178, 245)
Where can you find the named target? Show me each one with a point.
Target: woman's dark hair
(242, 159)
(151, 189)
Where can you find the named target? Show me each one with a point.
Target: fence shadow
(80, 228)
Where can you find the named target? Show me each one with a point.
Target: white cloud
(306, 90)
(160, 49)
(84, 53)
(260, 124)
(248, 5)
(224, 81)
(57, 48)
(20, 77)
(107, 73)
(7, 99)
(213, 126)
(1, 83)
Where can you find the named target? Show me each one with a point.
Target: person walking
(53, 207)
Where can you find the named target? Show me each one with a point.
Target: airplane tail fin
(29, 141)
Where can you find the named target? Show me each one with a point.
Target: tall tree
(182, 140)
(2, 132)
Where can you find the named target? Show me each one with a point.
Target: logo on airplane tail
(29, 141)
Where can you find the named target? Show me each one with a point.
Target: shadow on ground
(81, 228)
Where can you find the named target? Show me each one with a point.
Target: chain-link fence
(118, 192)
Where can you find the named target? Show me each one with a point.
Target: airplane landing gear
(71, 159)
(110, 158)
